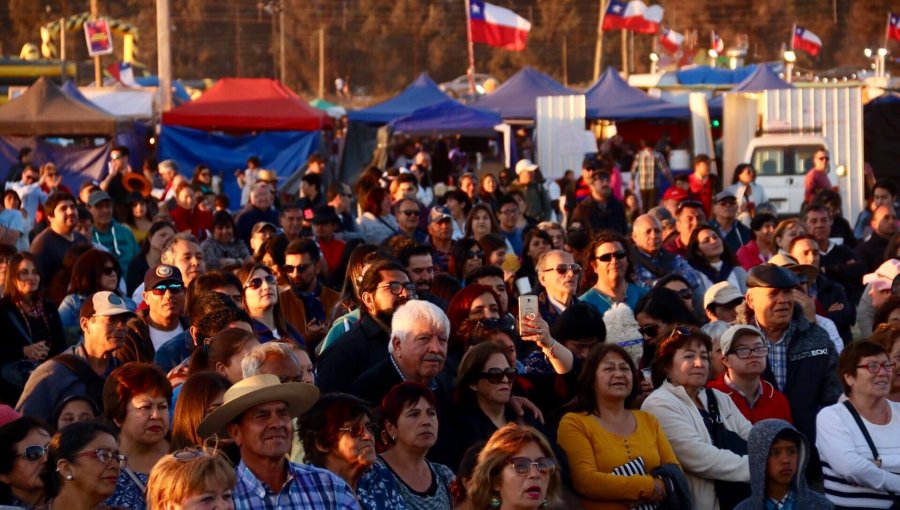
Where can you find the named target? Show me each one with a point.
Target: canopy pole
(625, 52)
(471, 70)
(598, 47)
(98, 74)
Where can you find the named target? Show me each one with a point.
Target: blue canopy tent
(762, 78)
(611, 98)
(180, 94)
(705, 75)
(71, 90)
(515, 99)
(448, 118)
(419, 94)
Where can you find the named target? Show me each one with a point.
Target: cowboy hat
(254, 391)
(808, 271)
(137, 183)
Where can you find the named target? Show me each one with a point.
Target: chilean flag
(894, 27)
(671, 40)
(498, 27)
(633, 15)
(716, 43)
(806, 41)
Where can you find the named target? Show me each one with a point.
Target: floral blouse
(380, 487)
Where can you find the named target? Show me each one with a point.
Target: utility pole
(565, 63)
(164, 52)
(598, 49)
(625, 52)
(281, 59)
(98, 74)
(62, 47)
(322, 62)
(237, 49)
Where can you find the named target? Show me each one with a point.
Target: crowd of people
(480, 341)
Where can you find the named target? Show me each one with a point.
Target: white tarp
(123, 102)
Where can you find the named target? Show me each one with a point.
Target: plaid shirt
(778, 352)
(643, 170)
(680, 266)
(306, 487)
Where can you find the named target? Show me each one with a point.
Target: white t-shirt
(158, 337)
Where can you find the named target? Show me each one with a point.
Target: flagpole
(793, 31)
(887, 29)
(471, 70)
(598, 47)
(625, 52)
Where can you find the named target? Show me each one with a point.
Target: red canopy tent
(247, 104)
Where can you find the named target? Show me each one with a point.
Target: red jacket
(197, 221)
(770, 404)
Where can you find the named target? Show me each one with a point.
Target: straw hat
(254, 391)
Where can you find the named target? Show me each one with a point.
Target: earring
(70, 477)
(495, 502)
(545, 504)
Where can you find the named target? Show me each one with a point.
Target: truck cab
(781, 162)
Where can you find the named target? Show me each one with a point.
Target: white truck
(777, 131)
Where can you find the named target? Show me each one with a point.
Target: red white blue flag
(634, 15)
(671, 40)
(806, 41)
(497, 26)
(893, 31)
(716, 43)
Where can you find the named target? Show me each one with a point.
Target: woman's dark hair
(469, 372)
(696, 259)
(88, 269)
(195, 178)
(850, 357)
(244, 274)
(483, 207)
(490, 243)
(601, 238)
(223, 218)
(65, 444)
(760, 220)
(129, 380)
(58, 289)
(372, 203)
(402, 396)
(459, 255)
(12, 270)
(319, 426)
(155, 227)
(665, 353)
(664, 305)
(200, 296)
(220, 348)
(464, 472)
(133, 198)
(883, 311)
(60, 407)
(355, 259)
(275, 247)
(13, 432)
(529, 236)
(885, 335)
(586, 396)
(194, 398)
(15, 195)
(735, 178)
(445, 286)
(671, 277)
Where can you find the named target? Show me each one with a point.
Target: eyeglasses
(396, 288)
(105, 456)
(33, 453)
(745, 352)
(109, 270)
(649, 330)
(410, 213)
(173, 288)
(727, 201)
(496, 375)
(824, 158)
(257, 282)
(606, 257)
(507, 212)
(357, 430)
(475, 254)
(289, 269)
(874, 367)
(685, 293)
(565, 268)
(522, 465)
(117, 157)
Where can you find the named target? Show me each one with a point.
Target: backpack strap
(93, 382)
(712, 406)
(865, 432)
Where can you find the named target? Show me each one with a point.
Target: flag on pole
(497, 26)
(806, 41)
(893, 31)
(123, 73)
(671, 40)
(716, 43)
(633, 15)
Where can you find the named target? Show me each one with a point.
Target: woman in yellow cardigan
(613, 449)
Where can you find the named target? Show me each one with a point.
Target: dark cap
(262, 225)
(98, 196)
(771, 276)
(579, 321)
(161, 273)
(325, 214)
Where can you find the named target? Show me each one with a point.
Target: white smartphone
(528, 307)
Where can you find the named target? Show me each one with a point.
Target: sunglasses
(33, 453)
(410, 213)
(564, 268)
(357, 430)
(289, 269)
(607, 257)
(173, 288)
(681, 332)
(649, 330)
(522, 465)
(685, 293)
(257, 282)
(477, 254)
(496, 375)
(109, 270)
(397, 288)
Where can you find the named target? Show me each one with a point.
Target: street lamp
(654, 61)
(789, 58)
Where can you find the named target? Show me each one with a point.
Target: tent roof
(762, 78)
(71, 90)
(45, 110)
(612, 98)
(705, 75)
(448, 117)
(515, 99)
(419, 94)
(247, 104)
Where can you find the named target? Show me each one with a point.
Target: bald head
(646, 232)
(884, 221)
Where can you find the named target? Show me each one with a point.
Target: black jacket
(828, 293)
(871, 251)
(841, 265)
(601, 216)
(353, 353)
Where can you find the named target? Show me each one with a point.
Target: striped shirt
(306, 487)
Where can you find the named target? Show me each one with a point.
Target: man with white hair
(258, 209)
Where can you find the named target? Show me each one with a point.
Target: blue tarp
(280, 151)
(515, 99)
(613, 99)
(419, 94)
(705, 75)
(72, 91)
(76, 164)
(179, 92)
(449, 117)
(763, 78)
